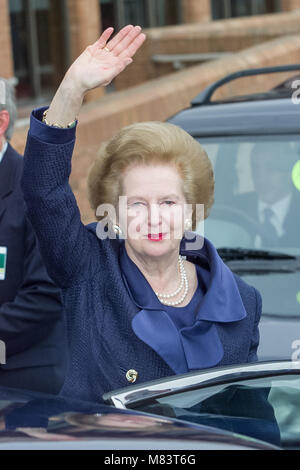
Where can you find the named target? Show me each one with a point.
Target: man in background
(31, 316)
(275, 202)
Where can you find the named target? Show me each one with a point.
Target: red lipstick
(155, 237)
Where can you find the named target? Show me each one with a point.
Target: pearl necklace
(184, 283)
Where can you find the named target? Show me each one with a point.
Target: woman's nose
(154, 216)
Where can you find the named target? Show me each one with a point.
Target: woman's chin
(153, 246)
(157, 248)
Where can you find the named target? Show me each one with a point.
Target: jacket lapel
(155, 328)
(196, 346)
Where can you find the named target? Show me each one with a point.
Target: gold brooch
(131, 375)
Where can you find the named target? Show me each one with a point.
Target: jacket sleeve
(52, 208)
(26, 319)
(252, 357)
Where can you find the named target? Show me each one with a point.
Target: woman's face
(155, 209)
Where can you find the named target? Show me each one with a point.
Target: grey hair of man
(8, 104)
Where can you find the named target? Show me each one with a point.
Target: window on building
(39, 52)
(146, 13)
(233, 8)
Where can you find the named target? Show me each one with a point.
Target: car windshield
(256, 215)
(257, 185)
(263, 408)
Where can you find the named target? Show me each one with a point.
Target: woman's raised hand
(101, 62)
(97, 66)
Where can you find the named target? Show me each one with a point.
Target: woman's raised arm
(64, 241)
(97, 66)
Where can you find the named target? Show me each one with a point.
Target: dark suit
(248, 203)
(31, 319)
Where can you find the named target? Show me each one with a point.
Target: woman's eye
(138, 203)
(168, 203)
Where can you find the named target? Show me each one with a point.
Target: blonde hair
(150, 143)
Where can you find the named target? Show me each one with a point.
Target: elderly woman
(143, 301)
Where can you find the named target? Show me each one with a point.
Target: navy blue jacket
(100, 311)
(31, 320)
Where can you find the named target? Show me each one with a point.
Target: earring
(187, 224)
(117, 229)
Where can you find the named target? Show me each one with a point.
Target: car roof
(261, 117)
(271, 112)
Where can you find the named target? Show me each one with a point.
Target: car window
(264, 408)
(252, 175)
(257, 185)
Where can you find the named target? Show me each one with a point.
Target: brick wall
(217, 36)
(195, 11)
(85, 27)
(6, 59)
(160, 98)
(288, 5)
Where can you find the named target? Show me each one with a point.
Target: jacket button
(131, 375)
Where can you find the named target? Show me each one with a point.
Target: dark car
(259, 400)
(33, 421)
(253, 143)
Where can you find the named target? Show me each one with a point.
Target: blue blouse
(186, 337)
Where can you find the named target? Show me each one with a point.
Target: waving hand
(97, 66)
(101, 62)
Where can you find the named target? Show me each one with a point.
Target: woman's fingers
(133, 46)
(101, 42)
(122, 45)
(119, 36)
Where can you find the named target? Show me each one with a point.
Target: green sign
(3, 253)
(296, 175)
